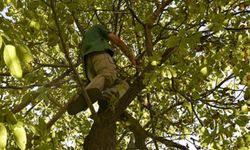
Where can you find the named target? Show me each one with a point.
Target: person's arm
(124, 48)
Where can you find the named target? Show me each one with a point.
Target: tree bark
(102, 135)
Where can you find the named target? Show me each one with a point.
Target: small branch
(53, 65)
(238, 29)
(196, 115)
(207, 93)
(167, 54)
(134, 14)
(128, 97)
(98, 18)
(167, 143)
(78, 24)
(56, 80)
(25, 102)
(53, 101)
(242, 12)
(20, 87)
(121, 137)
(5, 74)
(191, 102)
(149, 25)
(57, 116)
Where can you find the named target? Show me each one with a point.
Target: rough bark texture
(102, 135)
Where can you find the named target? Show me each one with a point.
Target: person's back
(95, 40)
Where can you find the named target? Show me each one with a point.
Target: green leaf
(25, 56)
(35, 25)
(1, 5)
(242, 121)
(188, 106)
(12, 61)
(244, 108)
(8, 1)
(154, 63)
(216, 146)
(169, 74)
(173, 41)
(247, 139)
(3, 136)
(194, 39)
(10, 117)
(217, 22)
(1, 41)
(19, 135)
(35, 129)
(204, 71)
(247, 94)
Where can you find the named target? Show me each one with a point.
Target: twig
(134, 14)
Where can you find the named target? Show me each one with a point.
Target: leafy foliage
(197, 90)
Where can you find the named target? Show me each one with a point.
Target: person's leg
(77, 104)
(113, 94)
(102, 73)
(105, 70)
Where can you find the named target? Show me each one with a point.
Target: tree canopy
(193, 89)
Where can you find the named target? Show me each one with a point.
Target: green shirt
(95, 40)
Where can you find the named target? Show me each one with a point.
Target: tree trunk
(102, 135)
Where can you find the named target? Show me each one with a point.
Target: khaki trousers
(101, 70)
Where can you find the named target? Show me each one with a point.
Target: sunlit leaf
(204, 71)
(12, 61)
(20, 135)
(244, 108)
(25, 56)
(35, 25)
(3, 136)
(1, 41)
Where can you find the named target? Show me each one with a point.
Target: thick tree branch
(128, 97)
(141, 134)
(148, 39)
(151, 20)
(167, 143)
(149, 25)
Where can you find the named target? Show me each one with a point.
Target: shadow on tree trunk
(102, 135)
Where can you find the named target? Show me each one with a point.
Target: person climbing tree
(100, 69)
